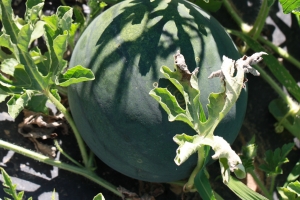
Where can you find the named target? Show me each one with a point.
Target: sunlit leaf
(17, 103)
(99, 197)
(289, 5)
(37, 103)
(75, 75)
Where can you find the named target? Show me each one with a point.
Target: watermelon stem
(68, 117)
(71, 168)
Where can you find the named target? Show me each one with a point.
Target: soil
(39, 180)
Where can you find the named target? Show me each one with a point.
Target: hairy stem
(77, 170)
(68, 117)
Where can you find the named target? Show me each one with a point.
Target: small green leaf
(8, 66)
(289, 5)
(33, 10)
(242, 191)
(99, 197)
(38, 31)
(291, 191)
(274, 160)
(75, 75)
(60, 47)
(37, 103)
(64, 14)
(294, 174)
(8, 20)
(187, 146)
(248, 154)
(2, 97)
(11, 188)
(287, 194)
(55, 93)
(17, 103)
(169, 103)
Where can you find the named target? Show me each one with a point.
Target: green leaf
(38, 31)
(13, 68)
(187, 146)
(37, 103)
(169, 103)
(33, 10)
(274, 160)
(8, 66)
(74, 75)
(64, 14)
(289, 5)
(8, 20)
(294, 174)
(17, 103)
(99, 197)
(290, 192)
(285, 116)
(242, 191)
(248, 154)
(2, 97)
(10, 187)
(60, 47)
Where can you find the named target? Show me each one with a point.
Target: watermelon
(125, 47)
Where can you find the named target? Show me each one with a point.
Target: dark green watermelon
(125, 47)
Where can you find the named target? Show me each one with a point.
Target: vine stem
(260, 19)
(77, 170)
(68, 117)
(65, 154)
(284, 54)
(260, 184)
(231, 9)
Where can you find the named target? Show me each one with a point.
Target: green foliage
(10, 188)
(242, 191)
(289, 5)
(219, 105)
(274, 160)
(99, 197)
(193, 115)
(27, 74)
(291, 191)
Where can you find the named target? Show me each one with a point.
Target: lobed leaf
(274, 160)
(74, 75)
(17, 103)
(290, 192)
